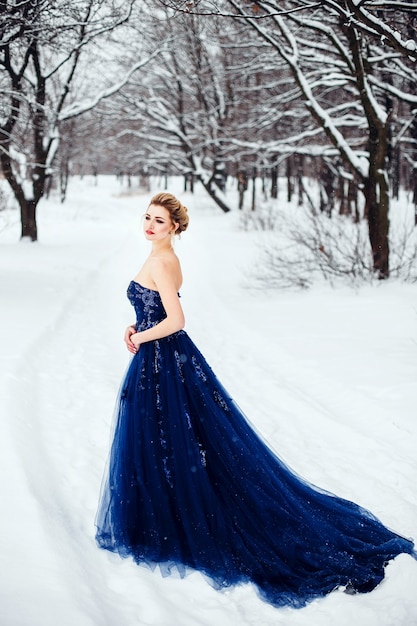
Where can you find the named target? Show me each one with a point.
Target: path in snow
(60, 394)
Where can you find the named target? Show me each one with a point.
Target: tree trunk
(299, 177)
(414, 170)
(208, 182)
(209, 187)
(64, 173)
(328, 183)
(274, 182)
(242, 185)
(289, 179)
(378, 225)
(344, 206)
(352, 195)
(28, 219)
(375, 185)
(376, 192)
(395, 172)
(254, 189)
(27, 207)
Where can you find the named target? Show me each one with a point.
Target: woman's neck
(160, 248)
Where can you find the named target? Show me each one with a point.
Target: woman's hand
(135, 340)
(130, 330)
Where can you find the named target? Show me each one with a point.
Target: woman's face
(157, 224)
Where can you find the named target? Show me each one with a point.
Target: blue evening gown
(189, 484)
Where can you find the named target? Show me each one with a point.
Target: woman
(191, 485)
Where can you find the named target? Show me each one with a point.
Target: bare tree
(335, 58)
(42, 50)
(178, 116)
(348, 62)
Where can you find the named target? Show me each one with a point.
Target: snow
(79, 107)
(328, 377)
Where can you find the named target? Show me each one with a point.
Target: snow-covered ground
(329, 377)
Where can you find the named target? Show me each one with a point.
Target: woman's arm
(130, 330)
(163, 275)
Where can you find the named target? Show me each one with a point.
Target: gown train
(189, 484)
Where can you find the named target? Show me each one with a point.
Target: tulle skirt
(190, 484)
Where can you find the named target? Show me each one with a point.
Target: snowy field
(328, 377)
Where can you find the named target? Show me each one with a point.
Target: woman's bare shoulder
(166, 266)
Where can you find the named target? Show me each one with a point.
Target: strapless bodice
(147, 304)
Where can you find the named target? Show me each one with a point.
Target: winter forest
(322, 94)
(289, 129)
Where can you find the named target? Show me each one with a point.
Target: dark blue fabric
(191, 485)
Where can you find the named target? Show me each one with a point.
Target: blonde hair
(177, 211)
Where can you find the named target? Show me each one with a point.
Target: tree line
(322, 89)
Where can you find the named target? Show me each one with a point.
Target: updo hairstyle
(177, 211)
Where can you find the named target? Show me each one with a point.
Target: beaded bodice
(147, 304)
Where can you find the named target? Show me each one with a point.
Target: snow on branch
(358, 14)
(386, 5)
(212, 9)
(78, 108)
(360, 165)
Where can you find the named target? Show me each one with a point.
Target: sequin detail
(147, 305)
